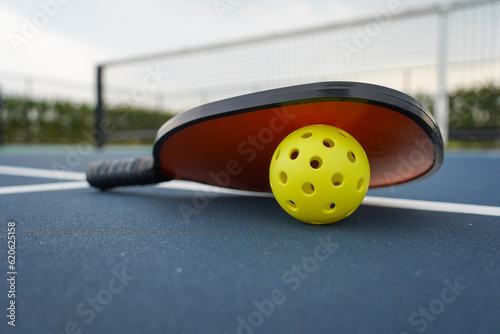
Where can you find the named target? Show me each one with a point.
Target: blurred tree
(28, 121)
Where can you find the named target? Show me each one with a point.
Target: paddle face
(230, 143)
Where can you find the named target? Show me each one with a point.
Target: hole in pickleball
(328, 143)
(278, 152)
(361, 184)
(316, 163)
(343, 134)
(307, 135)
(294, 154)
(291, 205)
(329, 207)
(308, 188)
(351, 157)
(283, 177)
(337, 179)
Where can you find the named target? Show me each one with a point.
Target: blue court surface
(186, 258)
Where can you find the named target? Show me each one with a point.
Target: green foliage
(475, 108)
(43, 122)
(472, 108)
(29, 121)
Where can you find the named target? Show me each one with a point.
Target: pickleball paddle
(229, 143)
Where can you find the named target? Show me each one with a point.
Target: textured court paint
(389, 262)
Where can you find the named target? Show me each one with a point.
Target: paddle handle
(126, 172)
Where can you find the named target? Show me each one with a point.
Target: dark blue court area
(185, 258)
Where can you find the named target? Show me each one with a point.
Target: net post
(441, 103)
(99, 110)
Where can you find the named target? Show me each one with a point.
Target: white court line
(32, 188)
(42, 173)
(206, 188)
(412, 204)
(396, 203)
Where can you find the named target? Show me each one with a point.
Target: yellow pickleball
(319, 174)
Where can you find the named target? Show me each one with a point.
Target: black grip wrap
(126, 172)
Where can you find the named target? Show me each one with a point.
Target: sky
(68, 38)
